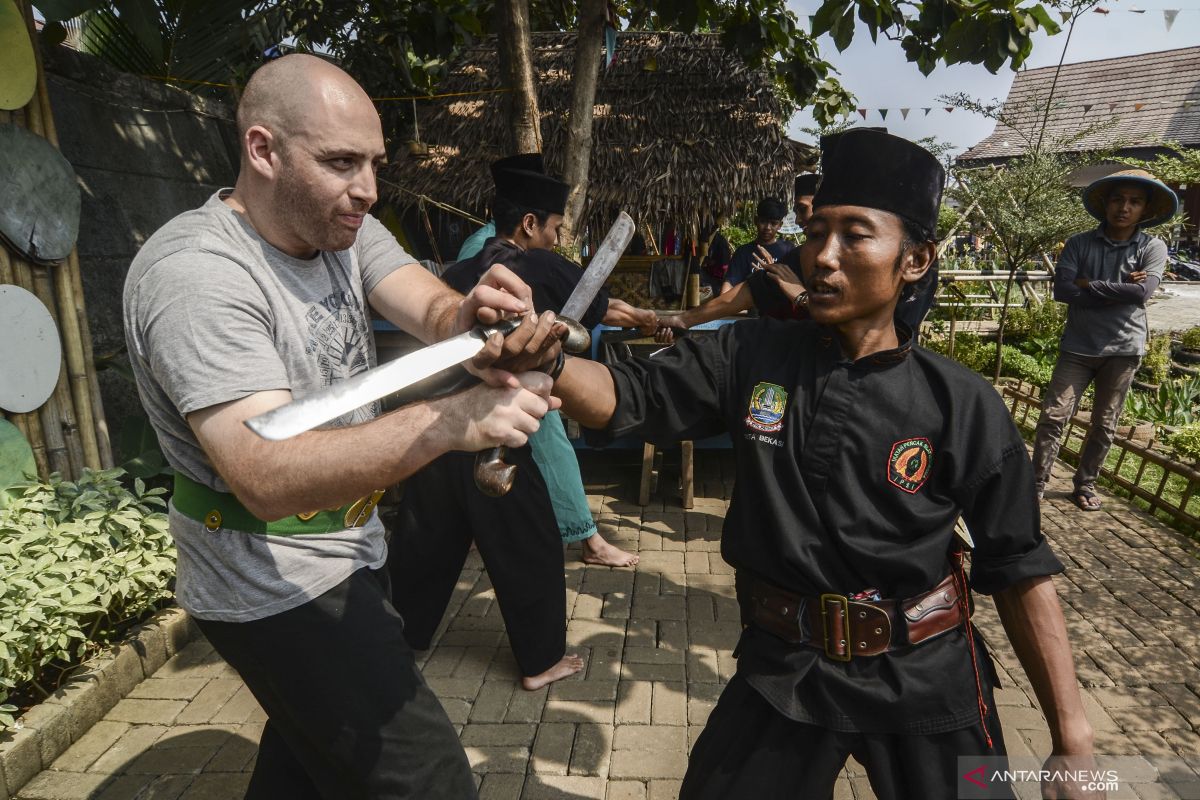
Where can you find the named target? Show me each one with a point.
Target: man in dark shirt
(856, 454)
(517, 535)
(1105, 276)
(774, 290)
(768, 218)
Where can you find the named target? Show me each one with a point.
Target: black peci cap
(862, 167)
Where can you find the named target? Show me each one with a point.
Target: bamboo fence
(1166, 486)
(68, 432)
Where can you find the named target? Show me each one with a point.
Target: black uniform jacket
(850, 477)
(551, 277)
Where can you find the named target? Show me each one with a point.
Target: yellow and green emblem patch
(767, 404)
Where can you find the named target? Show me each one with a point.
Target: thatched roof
(1153, 97)
(683, 130)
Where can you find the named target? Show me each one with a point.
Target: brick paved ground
(657, 643)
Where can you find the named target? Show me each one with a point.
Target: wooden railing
(1165, 485)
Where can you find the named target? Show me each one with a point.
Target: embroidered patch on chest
(767, 404)
(909, 464)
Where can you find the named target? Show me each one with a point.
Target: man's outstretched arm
(587, 391)
(1033, 620)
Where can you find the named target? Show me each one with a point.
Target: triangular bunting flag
(1169, 15)
(1112, 107)
(904, 112)
(927, 110)
(883, 113)
(1087, 108)
(949, 109)
(863, 113)
(1138, 10)
(1100, 10)
(610, 45)
(1066, 15)
(1138, 106)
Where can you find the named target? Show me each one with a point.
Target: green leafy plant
(1191, 339)
(1172, 403)
(1156, 364)
(79, 562)
(1186, 442)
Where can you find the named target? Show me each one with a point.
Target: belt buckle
(844, 602)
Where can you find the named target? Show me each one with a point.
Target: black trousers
(349, 715)
(517, 537)
(750, 750)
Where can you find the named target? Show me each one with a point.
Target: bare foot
(601, 553)
(567, 666)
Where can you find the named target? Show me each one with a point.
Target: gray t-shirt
(1110, 319)
(214, 313)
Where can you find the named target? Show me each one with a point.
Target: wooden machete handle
(493, 475)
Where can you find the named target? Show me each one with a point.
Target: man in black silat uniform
(857, 451)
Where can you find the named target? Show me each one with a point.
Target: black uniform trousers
(348, 714)
(517, 537)
(749, 750)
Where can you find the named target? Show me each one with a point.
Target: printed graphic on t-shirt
(340, 345)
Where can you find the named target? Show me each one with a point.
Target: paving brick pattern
(657, 642)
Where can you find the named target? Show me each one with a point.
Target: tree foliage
(402, 46)
(1027, 205)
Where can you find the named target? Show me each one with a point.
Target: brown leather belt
(844, 628)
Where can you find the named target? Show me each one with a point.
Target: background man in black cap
(775, 289)
(768, 218)
(1105, 276)
(517, 535)
(857, 451)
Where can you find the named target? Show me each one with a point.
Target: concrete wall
(144, 152)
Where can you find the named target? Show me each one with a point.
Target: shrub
(1156, 364)
(1191, 339)
(79, 562)
(974, 353)
(1186, 442)
(1036, 322)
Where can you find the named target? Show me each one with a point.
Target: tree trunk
(1012, 274)
(515, 51)
(579, 124)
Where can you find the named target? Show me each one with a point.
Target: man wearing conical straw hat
(1105, 276)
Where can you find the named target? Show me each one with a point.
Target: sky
(880, 77)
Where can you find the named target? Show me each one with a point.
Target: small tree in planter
(1156, 364)
(1189, 346)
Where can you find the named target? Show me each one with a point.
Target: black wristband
(559, 363)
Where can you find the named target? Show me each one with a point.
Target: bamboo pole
(27, 424)
(47, 425)
(77, 345)
(43, 282)
(58, 442)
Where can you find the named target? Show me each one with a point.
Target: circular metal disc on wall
(30, 350)
(18, 70)
(39, 197)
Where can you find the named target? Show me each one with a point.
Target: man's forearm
(587, 391)
(1033, 619)
(329, 468)
(442, 315)
(727, 304)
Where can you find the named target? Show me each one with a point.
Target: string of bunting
(1113, 108)
(169, 79)
(1169, 14)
